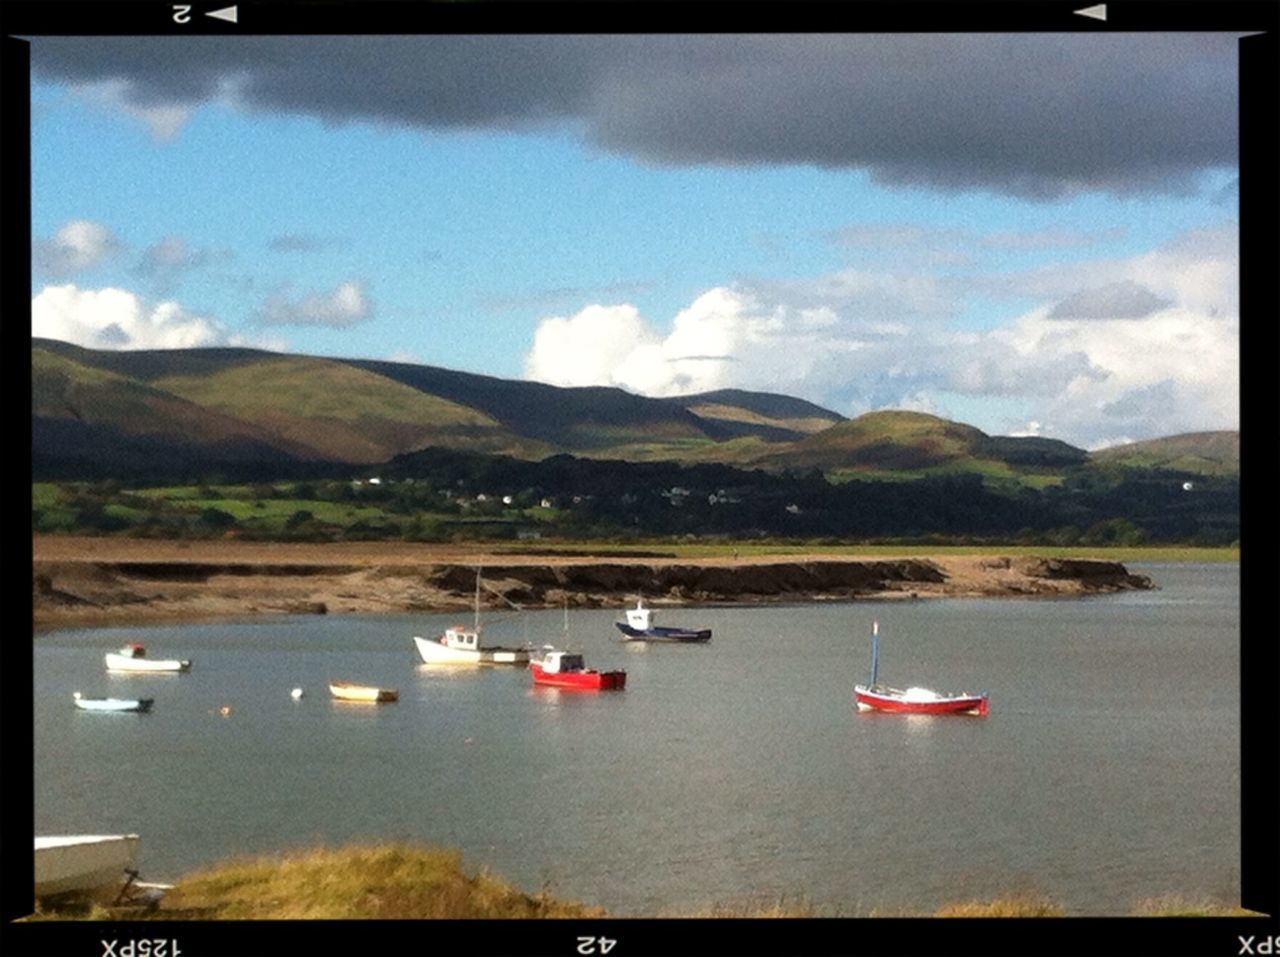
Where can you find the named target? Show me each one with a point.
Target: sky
(1033, 234)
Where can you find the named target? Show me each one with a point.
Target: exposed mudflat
(108, 581)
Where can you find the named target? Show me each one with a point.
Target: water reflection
(557, 697)
(468, 672)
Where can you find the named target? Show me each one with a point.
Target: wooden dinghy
(349, 691)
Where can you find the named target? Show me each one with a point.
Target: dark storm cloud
(1033, 115)
(1119, 300)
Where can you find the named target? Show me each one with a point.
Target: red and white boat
(915, 700)
(564, 669)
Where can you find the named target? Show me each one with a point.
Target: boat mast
(875, 650)
(477, 619)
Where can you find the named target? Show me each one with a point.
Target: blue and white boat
(639, 626)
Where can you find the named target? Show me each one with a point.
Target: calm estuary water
(1107, 771)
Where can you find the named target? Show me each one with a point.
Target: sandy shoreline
(88, 581)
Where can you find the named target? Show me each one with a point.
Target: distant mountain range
(108, 413)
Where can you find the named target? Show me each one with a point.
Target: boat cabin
(459, 637)
(639, 617)
(561, 662)
(134, 649)
(921, 694)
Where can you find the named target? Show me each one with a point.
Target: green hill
(209, 403)
(342, 412)
(576, 419)
(104, 410)
(738, 413)
(1200, 453)
(891, 440)
(82, 413)
(902, 443)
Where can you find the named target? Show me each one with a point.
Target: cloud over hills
(118, 319)
(1151, 352)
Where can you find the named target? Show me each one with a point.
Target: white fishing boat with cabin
(133, 658)
(460, 645)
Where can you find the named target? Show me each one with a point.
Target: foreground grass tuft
(1014, 905)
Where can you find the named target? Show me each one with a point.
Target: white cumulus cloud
(724, 337)
(596, 346)
(77, 245)
(1177, 370)
(346, 305)
(113, 318)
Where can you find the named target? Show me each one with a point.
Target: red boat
(877, 697)
(563, 669)
(917, 701)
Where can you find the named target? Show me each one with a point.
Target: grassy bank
(398, 881)
(374, 882)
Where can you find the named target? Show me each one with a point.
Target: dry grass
(379, 882)
(412, 882)
(1028, 904)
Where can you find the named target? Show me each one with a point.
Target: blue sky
(667, 215)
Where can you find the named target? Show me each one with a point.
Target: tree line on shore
(442, 495)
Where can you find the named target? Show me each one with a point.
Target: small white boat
(348, 691)
(461, 646)
(133, 657)
(112, 704)
(97, 866)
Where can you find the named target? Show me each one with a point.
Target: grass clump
(1014, 905)
(379, 882)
